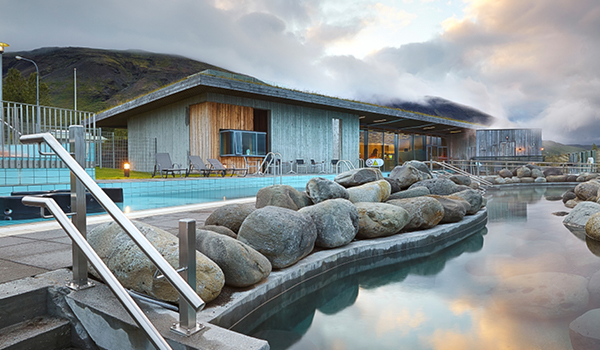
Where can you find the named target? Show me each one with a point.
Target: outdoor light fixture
(126, 168)
(541, 149)
(455, 131)
(429, 127)
(39, 123)
(379, 120)
(2, 46)
(362, 117)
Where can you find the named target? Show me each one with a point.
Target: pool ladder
(190, 302)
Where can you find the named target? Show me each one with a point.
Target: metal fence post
(78, 206)
(187, 264)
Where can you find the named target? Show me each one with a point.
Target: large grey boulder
(380, 219)
(135, 270)
(230, 216)
(556, 178)
(584, 331)
(455, 208)
(336, 221)
(376, 191)
(410, 193)
(580, 215)
(588, 191)
(527, 180)
(505, 173)
(440, 186)
(461, 180)
(282, 235)
(320, 189)
(539, 180)
(242, 265)
(395, 184)
(357, 177)
(407, 175)
(552, 171)
(425, 212)
(474, 198)
(568, 195)
(283, 196)
(523, 172)
(535, 173)
(419, 165)
(592, 227)
(220, 229)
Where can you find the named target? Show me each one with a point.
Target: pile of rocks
(585, 201)
(240, 244)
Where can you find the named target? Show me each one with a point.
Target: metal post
(78, 206)
(187, 263)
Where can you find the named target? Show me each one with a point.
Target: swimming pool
(518, 284)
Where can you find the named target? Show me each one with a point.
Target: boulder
(357, 177)
(474, 185)
(320, 189)
(440, 186)
(592, 227)
(552, 171)
(540, 180)
(515, 180)
(527, 180)
(419, 165)
(242, 265)
(425, 212)
(580, 215)
(394, 184)
(461, 180)
(474, 198)
(556, 178)
(376, 191)
(407, 175)
(568, 195)
(282, 235)
(336, 221)
(499, 181)
(455, 208)
(584, 331)
(523, 172)
(572, 203)
(587, 191)
(535, 173)
(544, 295)
(230, 216)
(572, 178)
(135, 270)
(505, 173)
(219, 229)
(410, 193)
(380, 219)
(283, 196)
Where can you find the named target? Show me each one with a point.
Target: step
(40, 332)
(22, 305)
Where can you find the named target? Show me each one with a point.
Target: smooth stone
(455, 208)
(527, 180)
(219, 229)
(380, 219)
(584, 331)
(461, 180)
(474, 198)
(357, 177)
(556, 178)
(242, 265)
(523, 172)
(336, 220)
(320, 189)
(282, 235)
(572, 203)
(376, 191)
(230, 216)
(540, 180)
(440, 186)
(419, 165)
(505, 173)
(425, 212)
(544, 295)
(552, 171)
(587, 191)
(135, 270)
(283, 196)
(592, 227)
(410, 193)
(535, 173)
(394, 184)
(406, 175)
(581, 213)
(568, 195)
(499, 181)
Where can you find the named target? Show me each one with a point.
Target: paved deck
(33, 248)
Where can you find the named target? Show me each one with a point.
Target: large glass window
(389, 151)
(243, 143)
(375, 144)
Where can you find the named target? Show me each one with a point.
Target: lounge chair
(197, 164)
(219, 167)
(165, 166)
(301, 164)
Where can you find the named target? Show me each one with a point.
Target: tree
(594, 147)
(16, 88)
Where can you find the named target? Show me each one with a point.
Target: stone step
(40, 332)
(22, 305)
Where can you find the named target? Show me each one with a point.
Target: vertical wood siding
(509, 142)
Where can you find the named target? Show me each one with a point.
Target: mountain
(105, 78)
(446, 109)
(552, 148)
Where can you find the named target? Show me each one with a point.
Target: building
(236, 118)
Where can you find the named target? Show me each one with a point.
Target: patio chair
(219, 167)
(320, 166)
(165, 166)
(300, 164)
(335, 166)
(197, 164)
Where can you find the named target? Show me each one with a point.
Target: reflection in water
(517, 285)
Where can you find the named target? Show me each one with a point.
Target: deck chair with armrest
(197, 164)
(165, 166)
(220, 168)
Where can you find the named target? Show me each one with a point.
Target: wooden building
(200, 115)
(509, 144)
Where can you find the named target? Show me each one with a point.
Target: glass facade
(242, 143)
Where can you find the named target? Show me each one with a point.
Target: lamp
(39, 123)
(126, 168)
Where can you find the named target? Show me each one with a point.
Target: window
(243, 143)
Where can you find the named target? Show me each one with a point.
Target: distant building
(509, 144)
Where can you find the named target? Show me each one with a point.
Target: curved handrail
(459, 171)
(345, 162)
(185, 290)
(274, 156)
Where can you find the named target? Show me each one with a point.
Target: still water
(517, 284)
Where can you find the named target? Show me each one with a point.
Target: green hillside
(552, 148)
(104, 78)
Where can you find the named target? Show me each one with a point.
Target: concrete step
(22, 305)
(40, 332)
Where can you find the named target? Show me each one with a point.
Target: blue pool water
(464, 297)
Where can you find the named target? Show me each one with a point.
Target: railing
(344, 162)
(81, 178)
(488, 167)
(459, 171)
(276, 162)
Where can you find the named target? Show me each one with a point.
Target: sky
(529, 63)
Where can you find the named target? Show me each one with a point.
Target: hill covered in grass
(105, 78)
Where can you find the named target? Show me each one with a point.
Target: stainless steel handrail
(460, 171)
(185, 290)
(273, 160)
(132, 308)
(345, 162)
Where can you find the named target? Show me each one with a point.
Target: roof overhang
(371, 116)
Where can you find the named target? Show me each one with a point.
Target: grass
(118, 174)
